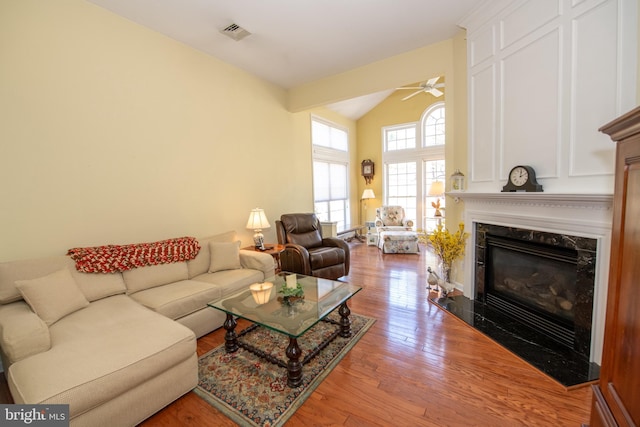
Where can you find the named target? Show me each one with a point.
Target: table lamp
(257, 222)
(436, 190)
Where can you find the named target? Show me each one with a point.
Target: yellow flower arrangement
(448, 247)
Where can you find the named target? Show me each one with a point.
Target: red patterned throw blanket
(113, 258)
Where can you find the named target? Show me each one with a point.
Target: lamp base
(258, 239)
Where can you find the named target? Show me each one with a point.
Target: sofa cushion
(200, 264)
(178, 299)
(326, 257)
(224, 256)
(52, 296)
(24, 270)
(96, 286)
(88, 368)
(231, 281)
(151, 276)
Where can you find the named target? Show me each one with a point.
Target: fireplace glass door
(543, 279)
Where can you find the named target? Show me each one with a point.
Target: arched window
(433, 125)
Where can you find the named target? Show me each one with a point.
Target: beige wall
(112, 133)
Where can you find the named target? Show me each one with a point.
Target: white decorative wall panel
(557, 70)
(482, 47)
(593, 92)
(483, 125)
(531, 109)
(527, 18)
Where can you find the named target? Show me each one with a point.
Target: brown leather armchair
(307, 252)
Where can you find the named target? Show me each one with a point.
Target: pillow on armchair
(392, 218)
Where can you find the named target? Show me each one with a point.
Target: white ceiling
(294, 42)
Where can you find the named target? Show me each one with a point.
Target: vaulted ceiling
(293, 42)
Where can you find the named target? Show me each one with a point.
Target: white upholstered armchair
(395, 232)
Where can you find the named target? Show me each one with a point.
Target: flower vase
(445, 271)
(444, 283)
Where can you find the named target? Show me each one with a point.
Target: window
(402, 187)
(324, 134)
(330, 172)
(400, 138)
(433, 123)
(413, 157)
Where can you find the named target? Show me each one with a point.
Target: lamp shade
(368, 194)
(257, 220)
(436, 189)
(261, 292)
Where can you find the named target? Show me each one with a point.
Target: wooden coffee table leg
(230, 338)
(345, 322)
(294, 367)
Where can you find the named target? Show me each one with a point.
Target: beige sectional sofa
(116, 347)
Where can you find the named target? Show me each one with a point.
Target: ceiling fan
(430, 86)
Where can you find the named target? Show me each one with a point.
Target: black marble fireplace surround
(543, 279)
(534, 295)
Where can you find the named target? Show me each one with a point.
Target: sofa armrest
(408, 223)
(22, 332)
(258, 261)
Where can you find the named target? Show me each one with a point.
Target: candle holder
(261, 292)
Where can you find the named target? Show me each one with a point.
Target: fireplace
(543, 280)
(559, 238)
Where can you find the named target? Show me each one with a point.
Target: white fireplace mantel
(577, 200)
(578, 214)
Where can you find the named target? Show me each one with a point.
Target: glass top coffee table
(291, 315)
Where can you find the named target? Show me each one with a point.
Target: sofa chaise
(116, 347)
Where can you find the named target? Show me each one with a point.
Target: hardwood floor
(417, 366)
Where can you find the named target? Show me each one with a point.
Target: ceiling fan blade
(439, 85)
(432, 81)
(435, 92)
(412, 95)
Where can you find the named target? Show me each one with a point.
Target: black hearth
(544, 280)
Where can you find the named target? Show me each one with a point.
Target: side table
(272, 249)
(372, 239)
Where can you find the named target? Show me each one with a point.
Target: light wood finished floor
(417, 366)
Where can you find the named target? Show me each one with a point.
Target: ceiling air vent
(236, 32)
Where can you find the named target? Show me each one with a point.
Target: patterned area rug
(253, 392)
